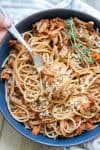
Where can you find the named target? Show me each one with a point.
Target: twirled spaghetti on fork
(64, 99)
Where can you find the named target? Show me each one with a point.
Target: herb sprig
(84, 52)
(71, 29)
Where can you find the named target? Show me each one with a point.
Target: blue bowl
(23, 26)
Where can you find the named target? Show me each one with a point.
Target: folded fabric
(27, 7)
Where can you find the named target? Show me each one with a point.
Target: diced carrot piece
(96, 56)
(36, 130)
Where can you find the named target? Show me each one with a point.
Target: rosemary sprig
(85, 53)
(83, 50)
(90, 60)
(71, 29)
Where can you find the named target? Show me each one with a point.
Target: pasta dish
(64, 99)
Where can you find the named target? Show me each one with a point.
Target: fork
(37, 59)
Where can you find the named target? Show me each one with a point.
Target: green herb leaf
(72, 35)
(65, 30)
(71, 29)
(90, 60)
(78, 45)
(83, 36)
(86, 51)
(69, 22)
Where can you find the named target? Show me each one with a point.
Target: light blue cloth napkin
(26, 7)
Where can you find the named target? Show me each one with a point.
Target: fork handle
(17, 35)
(14, 31)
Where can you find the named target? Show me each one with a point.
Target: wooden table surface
(10, 139)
